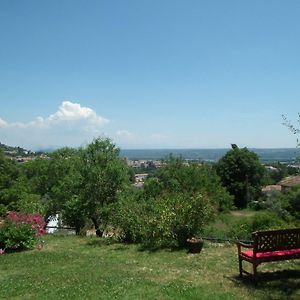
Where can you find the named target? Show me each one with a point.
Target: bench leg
(240, 267)
(255, 270)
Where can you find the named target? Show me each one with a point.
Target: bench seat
(269, 245)
(271, 254)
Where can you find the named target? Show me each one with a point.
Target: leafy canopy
(242, 174)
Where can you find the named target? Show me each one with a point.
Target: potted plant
(194, 244)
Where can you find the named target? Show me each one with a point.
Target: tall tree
(102, 176)
(242, 174)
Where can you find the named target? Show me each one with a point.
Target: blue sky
(149, 74)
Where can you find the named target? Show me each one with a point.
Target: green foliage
(290, 202)
(73, 213)
(173, 206)
(20, 231)
(19, 197)
(177, 217)
(239, 225)
(3, 210)
(16, 193)
(31, 204)
(8, 171)
(241, 229)
(37, 174)
(167, 220)
(56, 179)
(286, 205)
(179, 176)
(8, 174)
(17, 236)
(78, 183)
(276, 203)
(131, 214)
(267, 220)
(103, 175)
(242, 174)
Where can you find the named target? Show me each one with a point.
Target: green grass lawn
(71, 267)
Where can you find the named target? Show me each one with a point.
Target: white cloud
(69, 111)
(70, 125)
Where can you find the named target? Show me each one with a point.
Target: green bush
(19, 236)
(131, 214)
(240, 229)
(167, 220)
(20, 231)
(267, 220)
(176, 176)
(3, 210)
(229, 226)
(292, 202)
(177, 217)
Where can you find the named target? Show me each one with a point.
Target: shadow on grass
(121, 246)
(286, 283)
(154, 249)
(99, 242)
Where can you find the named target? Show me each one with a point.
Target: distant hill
(15, 151)
(286, 155)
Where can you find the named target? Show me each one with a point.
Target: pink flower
(2, 251)
(35, 220)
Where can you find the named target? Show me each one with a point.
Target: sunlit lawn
(71, 267)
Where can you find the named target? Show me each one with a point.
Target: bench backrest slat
(272, 240)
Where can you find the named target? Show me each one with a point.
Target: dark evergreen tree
(242, 174)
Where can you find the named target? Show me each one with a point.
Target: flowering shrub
(35, 220)
(20, 231)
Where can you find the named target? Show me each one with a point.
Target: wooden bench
(269, 245)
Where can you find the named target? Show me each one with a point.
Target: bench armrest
(240, 244)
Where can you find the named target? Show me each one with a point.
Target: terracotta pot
(194, 245)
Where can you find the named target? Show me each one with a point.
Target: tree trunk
(77, 230)
(96, 224)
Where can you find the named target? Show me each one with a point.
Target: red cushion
(271, 254)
